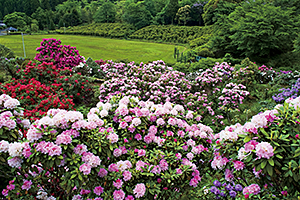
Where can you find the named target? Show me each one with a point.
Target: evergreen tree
(1, 15)
(105, 13)
(171, 10)
(5, 12)
(60, 23)
(51, 25)
(45, 5)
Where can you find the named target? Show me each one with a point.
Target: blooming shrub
(126, 148)
(61, 56)
(37, 98)
(265, 149)
(74, 85)
(157, 82)
(286, 93)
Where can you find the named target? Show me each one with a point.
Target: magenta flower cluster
(62, 56)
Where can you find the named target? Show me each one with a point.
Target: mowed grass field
(96, 47)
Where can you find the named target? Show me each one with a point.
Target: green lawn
(96, 47)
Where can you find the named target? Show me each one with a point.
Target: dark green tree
(1, 15)
(214, 10)
(45, 5)
(73, 18)
(258, 30)
(15, 20)
(60, 23)
(5, 12)
(41, 17)
(105, 13)
(171, 10)
(137, 14)
(51, 25)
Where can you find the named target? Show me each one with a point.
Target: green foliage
(105, 13)
(200, 40)
(171, 33)
(203, 64)
(34, 26)
(183, 15)
(256, 30)
(137, 14)
(297, 44)
(6, 52)
(17, 20)
(215, 9)
(112, 30)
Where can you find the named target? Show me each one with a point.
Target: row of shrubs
(169, 33)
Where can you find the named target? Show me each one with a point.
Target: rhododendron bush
(125, 148)
(157, 82)
(62, 56)
(265, 150)
(37, 98)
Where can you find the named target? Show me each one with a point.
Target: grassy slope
(96, 47)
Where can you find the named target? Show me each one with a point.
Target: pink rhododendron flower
(102, 172)
(85, 168)
(119, 195)
(251, 189)
(118, 184)
(238, 165)
(264, 150)
(126, 175)
(98, 190)
(139, 190)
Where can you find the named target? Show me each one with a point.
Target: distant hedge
(113, 30)
(171, 33)
(167, 33)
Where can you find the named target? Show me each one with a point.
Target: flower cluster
(223, 190)
(62, 56)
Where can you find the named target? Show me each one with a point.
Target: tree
(60, 23)
(258, 30)
(297, 44)
(15, 20)
(171, 9)
(45, 5)
(1, 15)
(73, 18)
(41, 17)
(137, 14)
(183, 14)
(106, 13)
(34, 25)
(214, 10)
(51, 25)
(5, 11)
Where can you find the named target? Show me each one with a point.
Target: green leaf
(247, 139)
(80, 177)
(263, 164)
(73, 176)
(270, 170)
(271, 161)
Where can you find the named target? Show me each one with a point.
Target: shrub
(126, 147)
(73, 84)
(62, 56)
(6, 52)
(36, 97)
(267, 147)
(170, 33)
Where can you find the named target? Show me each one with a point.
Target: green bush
(204, 51)
(112, 30)
(6, 52)
(200, 41)
(171, 33)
